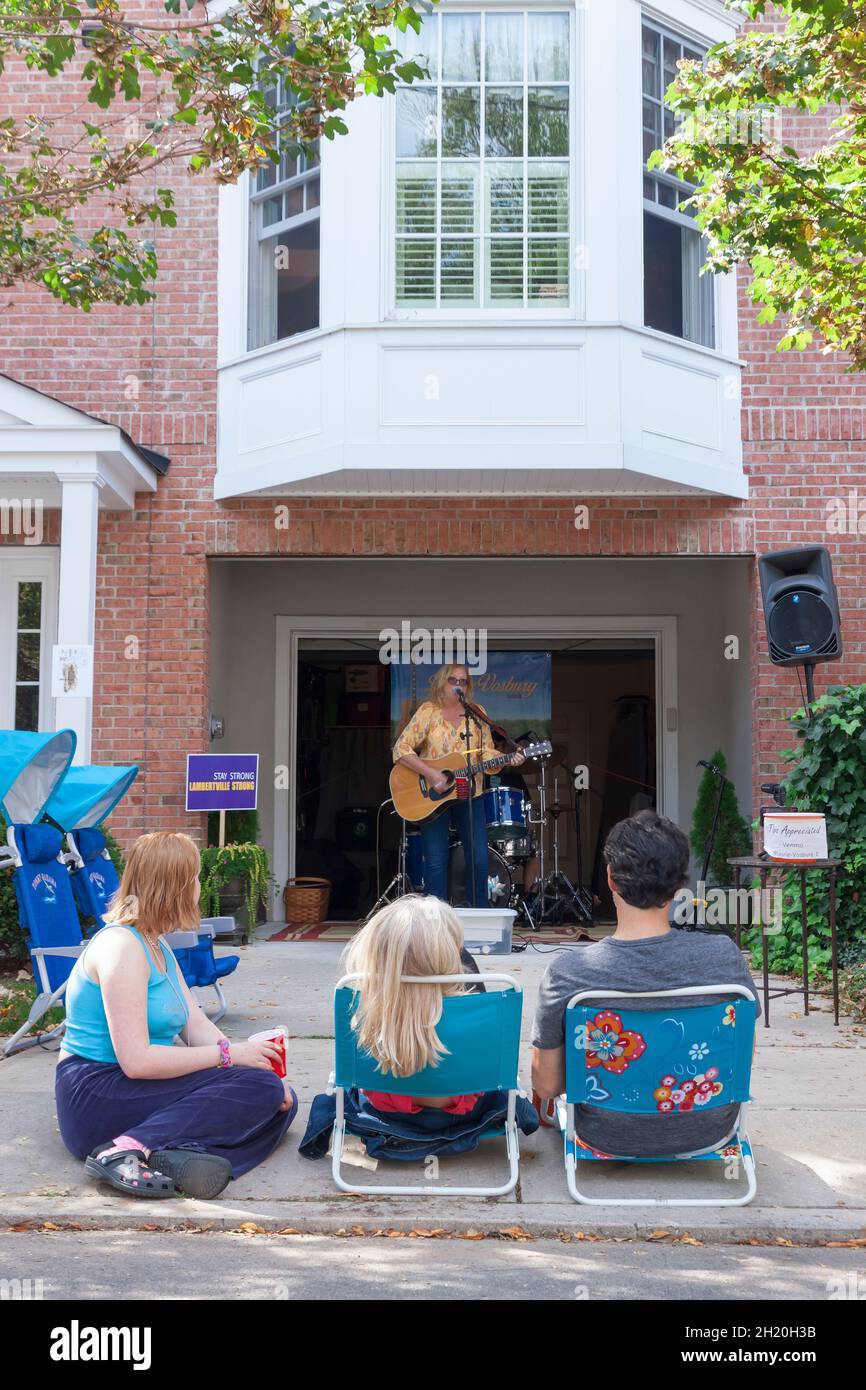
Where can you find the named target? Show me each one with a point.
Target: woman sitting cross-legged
(396, 1024)
(151, 1118)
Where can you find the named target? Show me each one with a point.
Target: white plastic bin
(487, 930)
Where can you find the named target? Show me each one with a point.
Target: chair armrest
(330, 1088)
(56, 950)
(181, 940)
(218, 926)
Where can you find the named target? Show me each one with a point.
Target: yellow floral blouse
(430, 735)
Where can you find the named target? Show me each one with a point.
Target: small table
(764, 867)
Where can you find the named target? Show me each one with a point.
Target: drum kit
(518, 831)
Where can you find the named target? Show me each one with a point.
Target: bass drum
(499, 881)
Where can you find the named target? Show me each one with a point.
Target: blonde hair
(394, 1022)
(159, 888)
(440, 680)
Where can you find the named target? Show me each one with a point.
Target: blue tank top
(87, 1033)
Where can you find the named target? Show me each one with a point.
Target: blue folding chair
(80, 803)
(482, 1035)
(660, 1061)
(199, 966)
(31, 765)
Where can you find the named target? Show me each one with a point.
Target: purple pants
(233, 1112)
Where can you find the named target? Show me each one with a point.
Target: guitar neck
(487, 766)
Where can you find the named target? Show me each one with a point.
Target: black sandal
(193, 1173)
(129, 1171)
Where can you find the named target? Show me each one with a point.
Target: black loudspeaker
(801, 609)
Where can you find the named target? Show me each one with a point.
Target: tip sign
(222, 782)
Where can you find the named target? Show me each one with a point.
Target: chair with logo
(482, 1035)
(200, 967)
(31, 766)
(660, 1061)
(85, 798)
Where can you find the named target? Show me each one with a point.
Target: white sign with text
(795, 835)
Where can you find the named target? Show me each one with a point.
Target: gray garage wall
(709, 597)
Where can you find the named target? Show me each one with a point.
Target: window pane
(30, 605)
(416, 198)
(548, 120)
(272, 211)
(266, 176)
(672, 56)
(652, 129)
(27, 665)
(548, 198)
(503, 130)
(548, 48)
(416, 271)
(458, 272)
(652, 84)
(459, 197)
(649, 188)
(460, 121)
(286, 284)
(27, 707)
(422, 48)
(417, 115)
(505, 271)
(313, 194)
(461, 47)
(663, 275)
(548, 272)
(504, 197)
(503, 48)
(667, 195)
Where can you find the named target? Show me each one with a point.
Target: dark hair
(648, 858)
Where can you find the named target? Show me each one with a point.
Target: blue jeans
(434, 842)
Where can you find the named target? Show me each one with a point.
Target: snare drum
(505, 810)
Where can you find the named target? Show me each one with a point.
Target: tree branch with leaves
(796, 216)
(186, 91)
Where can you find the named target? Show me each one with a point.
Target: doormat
(344, 931)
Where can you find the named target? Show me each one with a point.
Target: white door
(28, 630)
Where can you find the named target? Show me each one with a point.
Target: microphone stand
(468, 714)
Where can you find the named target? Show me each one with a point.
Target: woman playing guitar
(437, 728)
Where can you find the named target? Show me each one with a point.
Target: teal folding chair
(660, 1061)
(482, 1035)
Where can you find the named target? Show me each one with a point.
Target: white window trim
(389, 309)
(27, 564)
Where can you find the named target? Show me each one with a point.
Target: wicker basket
(306, 900)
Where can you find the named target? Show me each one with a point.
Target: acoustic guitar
(415, 799)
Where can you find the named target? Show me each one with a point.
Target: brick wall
(152, 370)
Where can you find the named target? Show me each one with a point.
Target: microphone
(711, 767)
(460, 696)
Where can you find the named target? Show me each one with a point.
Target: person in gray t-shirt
(647, 859)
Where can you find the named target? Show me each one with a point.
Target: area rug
(344, 931)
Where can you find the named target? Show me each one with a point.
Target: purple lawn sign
(222, 782)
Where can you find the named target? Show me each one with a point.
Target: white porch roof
(44, 443)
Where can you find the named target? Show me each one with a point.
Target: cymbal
(556, 808)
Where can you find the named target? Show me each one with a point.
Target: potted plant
(733, 838)
(234, 876)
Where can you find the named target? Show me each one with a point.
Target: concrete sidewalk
(808, 1127)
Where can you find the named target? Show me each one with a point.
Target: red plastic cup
(280, 1036)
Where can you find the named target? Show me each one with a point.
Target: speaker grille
(800, 626)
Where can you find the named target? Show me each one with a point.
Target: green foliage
(16, 1001)
(242, 828)
(732, 834)
(246, 862)
(193, 92)
(797, 216)
(829, 775)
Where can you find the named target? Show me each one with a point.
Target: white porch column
(76, 614)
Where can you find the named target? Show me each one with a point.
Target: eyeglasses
(457, 680)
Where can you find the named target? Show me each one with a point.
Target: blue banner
(516, 691)
(222, 781)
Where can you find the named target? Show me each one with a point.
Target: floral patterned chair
(660, 1061)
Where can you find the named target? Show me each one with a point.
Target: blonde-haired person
(149, 1117)
(436, 729)
(396, 1023)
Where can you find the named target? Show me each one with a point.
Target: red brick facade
(152, 371)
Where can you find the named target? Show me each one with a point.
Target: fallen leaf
(514, 1233)
(690, 1240)
(471, 1235)
(428, 1235)
(49, 1226)
(358, 1231)
(288, 1231)
(249, 1228)
(857, 1243)
(780, 1240)
(396, 1235)
(657, 1235)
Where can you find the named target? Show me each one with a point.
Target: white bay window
(483, 148)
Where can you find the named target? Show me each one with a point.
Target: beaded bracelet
(225, 1052)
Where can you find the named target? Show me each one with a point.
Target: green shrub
(733, 838)
(829, 775)
(248, 863)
